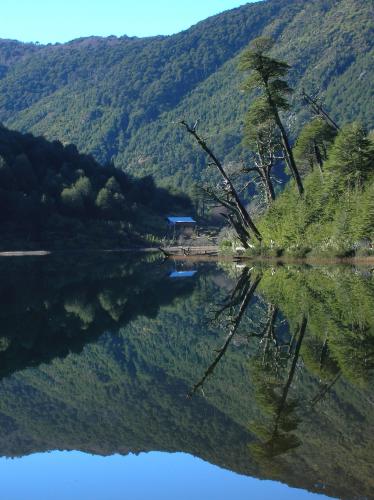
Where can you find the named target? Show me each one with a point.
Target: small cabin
(181, 226)
(182, 274)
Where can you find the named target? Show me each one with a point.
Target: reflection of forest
(287, 395)
(305, 324)
(52, 306)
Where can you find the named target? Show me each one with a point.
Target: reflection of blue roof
(182, 274)
(181, 220)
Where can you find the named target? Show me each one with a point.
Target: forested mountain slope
(120, 98)
(53, 196)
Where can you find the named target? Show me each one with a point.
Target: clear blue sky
(63, 20)
(156, 476)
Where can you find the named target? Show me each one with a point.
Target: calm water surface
(138, 378)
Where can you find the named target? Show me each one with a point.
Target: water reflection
(305, 331)
(50, 307)
(98, 354)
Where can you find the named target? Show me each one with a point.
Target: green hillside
(120, 98)
(51, 196)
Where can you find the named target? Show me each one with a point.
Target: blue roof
(182, 274)
(176, 220)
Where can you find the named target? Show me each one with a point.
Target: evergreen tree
(7, 180)
(352, 155)
(366, 217)
(78, 196)
(267, 76)
(24, 173)
(312, 144)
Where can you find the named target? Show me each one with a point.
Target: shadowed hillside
(51, 196)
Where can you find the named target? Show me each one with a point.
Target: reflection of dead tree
(323, 359)
(301, 333)
(245, 295)
(268, 334)
(278, 437)
(318, 110)
(274, 352)
(237, 295)
(325, 390)
(238, 215)
(324, 351)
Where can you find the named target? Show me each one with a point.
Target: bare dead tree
(265, 143)
(222, 199)
(236, 295)
(318, 110)
(239, 216)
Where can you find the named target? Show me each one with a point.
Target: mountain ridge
(118, 98)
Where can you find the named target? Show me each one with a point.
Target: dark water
(119, 381)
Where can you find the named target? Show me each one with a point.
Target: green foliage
(352, 155)
(76, 197)
(315, 134)
(258, 115)
(335, 216)
(53, 196)
(365, 212)
(339, 305)
(266, 74)
(120, 98)
(110, 199)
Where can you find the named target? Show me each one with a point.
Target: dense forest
(335, 217)
(309, 196)
(122, 101)
(120, 98)
(120, 383)
(265, 112)
(52, 196)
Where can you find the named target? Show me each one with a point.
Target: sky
(156, 476)
(50, 21)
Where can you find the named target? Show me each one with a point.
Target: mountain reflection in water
(264, 371)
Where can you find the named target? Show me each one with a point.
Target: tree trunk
(318, 156)
(242, 235)
(319, 111)
(246, 220)
(285, 142)
(264, 174)
(288, 153)
(291, 374)
(269, 188)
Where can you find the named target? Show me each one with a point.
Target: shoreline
(207, 253)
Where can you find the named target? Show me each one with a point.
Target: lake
(138, 377)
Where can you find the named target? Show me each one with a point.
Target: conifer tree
(313, 142)
(267, 77)
(352, 155)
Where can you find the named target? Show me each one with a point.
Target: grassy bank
(334, 217)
